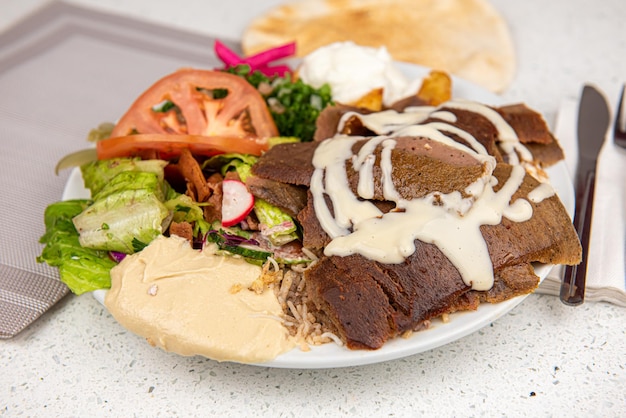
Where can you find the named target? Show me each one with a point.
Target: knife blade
(592, 125)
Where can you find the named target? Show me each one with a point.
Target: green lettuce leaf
(81, 269)
(229, 161)
(97, 174)
(184, 209)
(124, 221)
(86, 274)
(58, 217)
(279, 226)
(133, 180)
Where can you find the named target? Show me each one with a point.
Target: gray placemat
(64, 70)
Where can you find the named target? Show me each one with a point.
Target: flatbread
(467, 38)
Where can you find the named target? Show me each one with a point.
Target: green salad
(136, 198)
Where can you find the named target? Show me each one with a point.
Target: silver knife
(593, 122)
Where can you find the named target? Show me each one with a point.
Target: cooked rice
(288, 284)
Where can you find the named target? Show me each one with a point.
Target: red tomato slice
(168, 146)
(199, 102)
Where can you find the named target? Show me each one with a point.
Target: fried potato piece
(436, 88)
(373, 100)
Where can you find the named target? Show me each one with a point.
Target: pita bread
(467, 38)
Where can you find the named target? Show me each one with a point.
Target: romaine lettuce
(81, 269)
(133, 180)
(184, 209)
(276, 224)
(97, 174)
(58, 217)
(225, 162)
(125, 221)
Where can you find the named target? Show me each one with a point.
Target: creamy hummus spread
(197, 303)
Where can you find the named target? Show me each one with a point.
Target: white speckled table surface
(541, 359)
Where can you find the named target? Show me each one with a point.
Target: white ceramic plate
(460, 324)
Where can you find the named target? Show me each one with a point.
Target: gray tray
(64, 70)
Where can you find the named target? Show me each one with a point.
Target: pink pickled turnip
(227, 55)
(268, 56)
(261, 61)
(237, 202)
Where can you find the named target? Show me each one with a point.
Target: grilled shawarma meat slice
(288, 197)
(367, 302)
(529, 125)
(290, 163)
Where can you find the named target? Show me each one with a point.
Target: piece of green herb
(294, 105)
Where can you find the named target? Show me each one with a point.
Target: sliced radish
(237, 202)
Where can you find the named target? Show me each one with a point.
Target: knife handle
(574, 277)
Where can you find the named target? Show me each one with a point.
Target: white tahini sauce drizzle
(387, 121)
(449, 221)
(331, 180)
(364, 164)
(508, 140)
(541, 192)
(444, 115)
